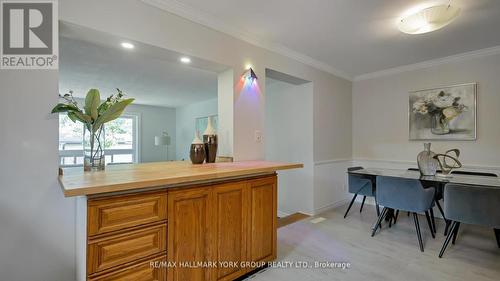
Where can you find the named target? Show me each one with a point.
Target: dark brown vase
(210, 142)
(197, 153)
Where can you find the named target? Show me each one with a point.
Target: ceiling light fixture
(127, 45)
(428, 19)
(185, 60)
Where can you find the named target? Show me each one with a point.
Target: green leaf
(62, 107)
(84, 117)
(92, 101)
(113, 112)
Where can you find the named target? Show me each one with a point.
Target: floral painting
(447, 113)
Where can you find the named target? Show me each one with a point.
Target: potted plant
(93, 116)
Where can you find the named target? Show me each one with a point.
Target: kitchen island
(174, 220)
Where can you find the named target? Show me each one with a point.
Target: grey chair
(360, 186)
(406, 195)
(471, 204)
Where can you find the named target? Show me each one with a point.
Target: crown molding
(430, 63)
(188, 12)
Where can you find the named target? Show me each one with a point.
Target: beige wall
(380, 112)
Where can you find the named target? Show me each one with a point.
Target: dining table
(438, 182)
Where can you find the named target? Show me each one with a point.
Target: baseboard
(282, 214)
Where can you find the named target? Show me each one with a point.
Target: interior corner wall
(225, 100)
(380, 114)
(289, 131)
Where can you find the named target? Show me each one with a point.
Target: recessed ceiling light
(127, 45)
(428, 19)
(185, 60)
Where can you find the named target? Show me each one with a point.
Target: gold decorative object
(446, 168)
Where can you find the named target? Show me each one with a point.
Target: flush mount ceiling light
(185, 60)
(428, 19)
(127, 45)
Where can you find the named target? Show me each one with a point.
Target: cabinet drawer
(139, 272)
(115, 213)
(113, 250)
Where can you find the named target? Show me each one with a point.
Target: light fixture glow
(185, 60)
(248, 66)
(127, 45)
(428, 19)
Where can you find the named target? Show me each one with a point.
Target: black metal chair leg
(445, 220)
(448, 238)
(433, 220)
(350, 205)
(407, 214)
(362, 204)
(430, 224)
(379, 220)
(396, 216)
(455, 233)
(419, 234)
(377, 207)
(497, 235)
(446, 228)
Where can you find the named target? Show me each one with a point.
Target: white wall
(289, 138)
(380, 113)
(153, 121)
(185, 124)
(37, 233)
(36, 222)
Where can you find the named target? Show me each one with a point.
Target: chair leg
(407, 214)
(430, 224)
(350, 205)
(396, 216)
(419, 235)
(379, 220)
(448, 238)
(447, 226)
(362, 204)
(455, 233)
(442, 214)
(497, 235)
(377, 207)
(433, 220)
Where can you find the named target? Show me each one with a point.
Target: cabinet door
(231, 223)
(263, 218)
(190, 232)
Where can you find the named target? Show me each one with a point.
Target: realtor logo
(29, 35)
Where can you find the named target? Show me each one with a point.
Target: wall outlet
(258, 136)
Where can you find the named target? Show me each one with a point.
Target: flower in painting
(443, 100)
(420, 107)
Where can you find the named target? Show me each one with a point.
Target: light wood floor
(293, 218)
(393, 253)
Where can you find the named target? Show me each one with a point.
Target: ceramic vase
(427, 164)
(197, 151)
(210, 141)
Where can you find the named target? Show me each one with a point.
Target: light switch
(258, 136)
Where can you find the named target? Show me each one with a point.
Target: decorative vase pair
(428, 161)
(206, 150)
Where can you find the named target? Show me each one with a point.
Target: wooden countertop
(127, 177)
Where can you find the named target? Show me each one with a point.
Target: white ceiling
(347, 37)
(151, 75)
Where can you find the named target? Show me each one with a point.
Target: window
(121, 145)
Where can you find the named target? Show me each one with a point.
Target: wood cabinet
(190, 234)
(263, 219)
(231, 229)
(200, 232)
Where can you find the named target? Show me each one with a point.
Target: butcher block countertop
(128, 177)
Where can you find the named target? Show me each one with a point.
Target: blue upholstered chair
(360, 186)
(471, 204)
(406, 195)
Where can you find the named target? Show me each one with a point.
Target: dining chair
(467, 173)
(360, 186)
(471, 204)
(406, 195)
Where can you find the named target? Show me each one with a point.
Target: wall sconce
(250, 74)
